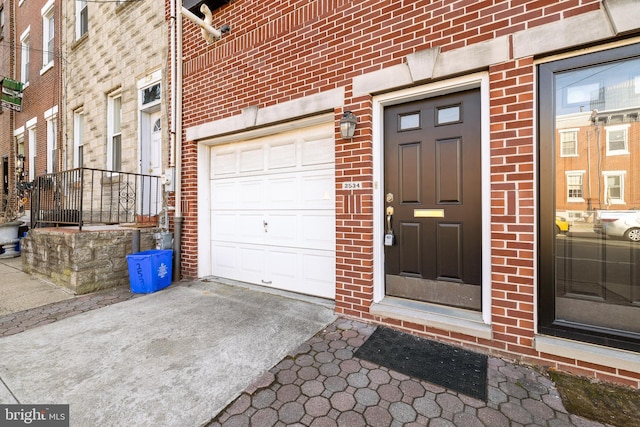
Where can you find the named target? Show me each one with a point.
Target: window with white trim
(82, 18)
(617, 139)
(19, 136)
(568, 143)
(24, 56)
(48, 31)
(78, 138)
(613, 187)
(575, 191)
(31, 134)
(114, 129)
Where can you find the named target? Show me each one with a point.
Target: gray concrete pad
(20, 291)
(173, 358)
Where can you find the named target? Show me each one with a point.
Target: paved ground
(319, 383)
(322, 384)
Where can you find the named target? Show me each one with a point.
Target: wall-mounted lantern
(348, 124)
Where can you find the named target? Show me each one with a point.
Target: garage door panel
(223, 163)
(282, 266)
(224, 226)
(250, 228)
(282, 155)
(250, 193)
(251, 159)
(225, 194)
(319, 231)
(287, 269)
(282, 192)
(273, 211)
(318, 149)
(252, 260)
(283, 229)
(225, 259)
(319, 270)
(317, 191)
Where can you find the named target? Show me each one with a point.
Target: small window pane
(448, 115)
(617, 140)
(151, 94)
(410, 121)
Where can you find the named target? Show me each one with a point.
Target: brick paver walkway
(21, 321)
(322, 384)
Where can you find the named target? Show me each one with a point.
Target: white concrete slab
(172, 358)
(20, 291)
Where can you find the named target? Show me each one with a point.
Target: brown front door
(433, 200)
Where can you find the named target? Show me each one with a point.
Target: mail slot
(428, 213)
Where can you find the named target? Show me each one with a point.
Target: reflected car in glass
(562, 225)
(625, 224)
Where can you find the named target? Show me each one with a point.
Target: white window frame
(25, 56)
(48, 42)
(82, 17)
(78, 138)
(50, 117)
(609, 130)
(18, 138)
(564, 132)
(607, 199)
(114, 129)
(579, 173)
(31, 131)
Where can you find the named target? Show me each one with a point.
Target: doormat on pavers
(442, 364)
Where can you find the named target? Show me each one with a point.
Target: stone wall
(82, 261)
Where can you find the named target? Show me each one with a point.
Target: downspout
(177, 141)
(176, 122)
(177, 238)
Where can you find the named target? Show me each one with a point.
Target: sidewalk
(100, 362)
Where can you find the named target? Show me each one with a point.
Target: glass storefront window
(590, 147)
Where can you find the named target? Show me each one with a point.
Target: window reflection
(597, 192)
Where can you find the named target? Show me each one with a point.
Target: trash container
(150, 271)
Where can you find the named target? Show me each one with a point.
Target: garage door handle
(265, 224)
(266, 282)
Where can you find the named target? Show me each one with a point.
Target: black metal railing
(85, 196)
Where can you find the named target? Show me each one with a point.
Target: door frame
(472, 81)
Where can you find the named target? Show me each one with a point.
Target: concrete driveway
(173, 358)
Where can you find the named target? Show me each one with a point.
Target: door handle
(265, 224)
(389, 218)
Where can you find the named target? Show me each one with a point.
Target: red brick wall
(43, 91)
(282, 50)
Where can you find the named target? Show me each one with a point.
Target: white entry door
(273, 211)
(151, 163)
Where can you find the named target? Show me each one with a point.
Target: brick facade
(43, 92)
(6, 115)
(280, 52)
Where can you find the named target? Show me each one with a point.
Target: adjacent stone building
(115, 82)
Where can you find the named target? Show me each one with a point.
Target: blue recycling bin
(150, 271)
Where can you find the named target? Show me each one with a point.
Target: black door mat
(442, 364)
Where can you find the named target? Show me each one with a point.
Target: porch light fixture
(348, 124)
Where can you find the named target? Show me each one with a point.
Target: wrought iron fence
(85, 196)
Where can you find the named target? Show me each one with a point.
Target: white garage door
(273, 211)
